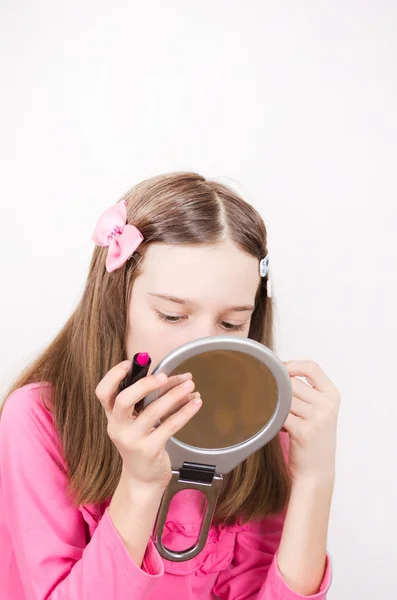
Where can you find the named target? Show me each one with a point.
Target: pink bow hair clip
(113, 230)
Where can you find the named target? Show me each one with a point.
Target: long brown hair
(175, 208)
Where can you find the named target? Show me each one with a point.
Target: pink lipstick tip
(143, 359)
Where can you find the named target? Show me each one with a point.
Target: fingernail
(194, 395)
(187, 384)
(196, 400)
(185, 376)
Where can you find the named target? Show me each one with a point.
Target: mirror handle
(210, 490)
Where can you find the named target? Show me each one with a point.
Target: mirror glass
(239, 396)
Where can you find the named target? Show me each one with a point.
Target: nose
(202, 330)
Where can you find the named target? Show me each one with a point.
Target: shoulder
(26, 420)
(27, 404)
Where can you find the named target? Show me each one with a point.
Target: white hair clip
(264, 270)
(264, 265)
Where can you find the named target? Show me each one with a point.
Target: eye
(231, 327)
(168, 318)
(172, 320)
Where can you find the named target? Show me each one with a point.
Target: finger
(173, 409)
(304, 391)
(300, 408)
(293, 424)
(168, 413)
(174, 381)
(158, 409)
(106, 389)
(171, 382)
(313, 373)
(125, 401)
(173, 424)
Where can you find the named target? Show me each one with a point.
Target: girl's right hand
(142, 445)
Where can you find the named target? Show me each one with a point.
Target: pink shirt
(50, 550)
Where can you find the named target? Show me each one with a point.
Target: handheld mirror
(246, 392)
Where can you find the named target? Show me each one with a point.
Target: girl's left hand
(312, 421)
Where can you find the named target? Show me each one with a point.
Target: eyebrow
(191, 303)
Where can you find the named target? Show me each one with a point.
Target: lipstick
(139, 368)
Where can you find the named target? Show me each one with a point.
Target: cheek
(146, 333)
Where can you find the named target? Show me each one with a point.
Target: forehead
(204, 274)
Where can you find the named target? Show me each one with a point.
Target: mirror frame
(226, 459)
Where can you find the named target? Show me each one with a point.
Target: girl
(82, 474)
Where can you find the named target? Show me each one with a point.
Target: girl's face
(189, 292)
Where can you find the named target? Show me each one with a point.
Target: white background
(296, 102)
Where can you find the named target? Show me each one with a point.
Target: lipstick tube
(139, 368)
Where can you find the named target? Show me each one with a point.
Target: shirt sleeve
(48, 533)
(254, 572)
